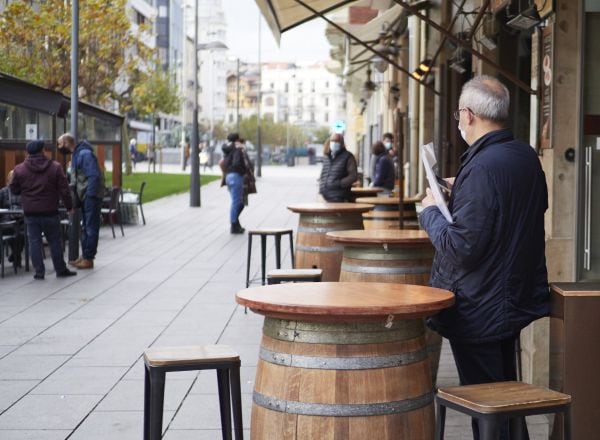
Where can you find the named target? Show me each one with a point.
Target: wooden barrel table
(386, 213)
(390, 256)
(365, 191)
(343, 361)
(313, 248)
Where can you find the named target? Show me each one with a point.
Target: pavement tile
(48, 412)
(30, 434)
(23, 367)
(80, 380)
(197, 434)
(113, 425)
(201, 411)
(18, 335)
(13, 390)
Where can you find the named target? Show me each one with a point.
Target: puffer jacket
(493, 254)
(89, 179)
(337, 176)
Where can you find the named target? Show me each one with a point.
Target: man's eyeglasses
(457, 112)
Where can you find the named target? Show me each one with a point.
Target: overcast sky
(307, 42)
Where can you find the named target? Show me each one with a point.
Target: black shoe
(38, 276)
(65, 273)
(236, 229)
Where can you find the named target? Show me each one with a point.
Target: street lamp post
(194, 160)
(75, 216)
(258, 139)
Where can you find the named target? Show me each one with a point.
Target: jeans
(90, 226)
(50, 227)
(235, 185)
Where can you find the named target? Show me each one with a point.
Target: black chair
(112, 211)
(263, 233)
(159, 361)
(8, 238)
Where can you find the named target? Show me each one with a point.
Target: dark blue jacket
(337, 176)
(493, 254)
(384, 171)
(89, 179)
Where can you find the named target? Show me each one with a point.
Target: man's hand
(428, 200)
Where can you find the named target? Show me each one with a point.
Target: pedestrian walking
(234, 169)
(41, 183)
(186, 153)
(492, 255)
(88, 181)
(339, 170)
(133, 152)
(384, 168)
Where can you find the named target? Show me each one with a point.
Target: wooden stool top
(386, 201)
(188, 355)
(501, 397)
(270, 231)
(329, 208)
(381, 236)
(366, 192)
(295, 273)
(345, 301)
(388, 215)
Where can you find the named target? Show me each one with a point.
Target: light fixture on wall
(395, 92)
(379, 63)
(368, 87)
(457, 62)
(424, 67)
(525, 19)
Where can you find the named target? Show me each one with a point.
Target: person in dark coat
(234, 168)
(41, 182)
(339, 171)
(492, 255)
(384, 167)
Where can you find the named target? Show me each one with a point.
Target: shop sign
(546, 73)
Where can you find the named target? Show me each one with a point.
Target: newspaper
(429, 161)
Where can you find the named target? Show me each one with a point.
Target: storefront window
(17, 123)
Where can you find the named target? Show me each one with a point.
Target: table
(390, 256)
(313, 248)
(366, 191)
(386, 213)
(343, 360)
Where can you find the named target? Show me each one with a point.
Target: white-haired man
(492, 255)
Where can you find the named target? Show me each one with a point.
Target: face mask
(463, 134)
(335, 147)
(387, 145)
(64, 150)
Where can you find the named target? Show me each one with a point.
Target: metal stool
(264, 233)
(278, 276)
(159, 361)
(493, 403)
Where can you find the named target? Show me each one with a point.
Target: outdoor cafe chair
(111, 212)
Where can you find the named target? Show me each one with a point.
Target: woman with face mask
(383, 176)
(339, 171)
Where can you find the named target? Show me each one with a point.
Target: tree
(35, 45)
(156, 94)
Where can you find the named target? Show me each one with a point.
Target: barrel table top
(329, 208)
(380, 236)
(344, 301)
(387, 201)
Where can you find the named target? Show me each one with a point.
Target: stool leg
(567, 423)
(278, 250)
(157, 397)
(224, 402)
(147, 391)
(291, 234)
(518, 428)
(236, 402)
(248, 262)
(440, 421)
(263, 257)
(488, 428)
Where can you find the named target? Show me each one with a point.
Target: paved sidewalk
(70, 349)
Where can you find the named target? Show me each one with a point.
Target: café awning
(283, 15)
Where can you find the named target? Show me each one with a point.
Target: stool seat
(270, 231)
(192, 355)
(492, 404)
(503, 397)
(277, 276)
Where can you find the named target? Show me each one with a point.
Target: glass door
(589, 218)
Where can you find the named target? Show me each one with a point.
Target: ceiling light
(425, 65)
(368, 87)
(488, 42)
(526, 19)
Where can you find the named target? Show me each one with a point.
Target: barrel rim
(381, 236)
(329, 208)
